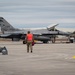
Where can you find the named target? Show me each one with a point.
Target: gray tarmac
(46, 59)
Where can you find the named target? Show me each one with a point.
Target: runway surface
(46, 59)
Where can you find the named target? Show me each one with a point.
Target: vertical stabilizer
(5, 26)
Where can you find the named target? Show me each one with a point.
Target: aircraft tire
(15, 39)
(45, 41)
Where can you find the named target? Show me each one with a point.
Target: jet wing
(4, 35)
(56, 33)
(14, 36)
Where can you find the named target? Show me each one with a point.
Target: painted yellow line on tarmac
(73, 57)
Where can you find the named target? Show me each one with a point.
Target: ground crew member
(29, 39)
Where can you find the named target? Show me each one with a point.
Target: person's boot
(31, 51)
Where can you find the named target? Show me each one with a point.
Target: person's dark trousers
(29, 45)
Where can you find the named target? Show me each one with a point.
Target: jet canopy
(52, 27)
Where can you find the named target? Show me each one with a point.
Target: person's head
(28, 32)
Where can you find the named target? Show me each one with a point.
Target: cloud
(38, 21)
(38, 12)
(66, 29)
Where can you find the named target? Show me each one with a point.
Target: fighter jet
(43, 34)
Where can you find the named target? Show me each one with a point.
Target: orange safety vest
(29, 37)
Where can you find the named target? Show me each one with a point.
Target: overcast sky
(38, 13)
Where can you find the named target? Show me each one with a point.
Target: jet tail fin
(5, 26)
